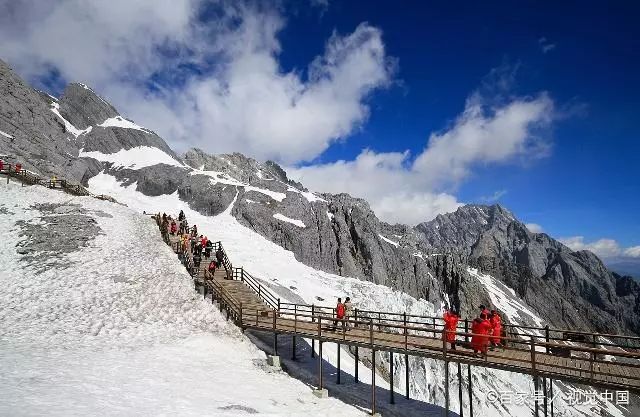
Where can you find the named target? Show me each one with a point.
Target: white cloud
(632, 252)
(244, 101)
(545, 45)
(411, 191)
(534, 228)
(497, 195)
(605, 248)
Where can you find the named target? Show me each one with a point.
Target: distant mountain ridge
(82, 137)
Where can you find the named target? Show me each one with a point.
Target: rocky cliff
(81, 135)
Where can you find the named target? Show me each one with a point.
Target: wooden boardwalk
(252, 306)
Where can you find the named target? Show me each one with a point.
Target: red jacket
(450, 326)
(496, 324)
(481, 330)
(340, 311)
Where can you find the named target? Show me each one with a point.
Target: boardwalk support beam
(406, 374)
(293, 347)
(392, 399)
(470, 388)
(461, 410)
(338, 373)
(355, 375)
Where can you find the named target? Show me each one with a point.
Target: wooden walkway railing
(605, 361)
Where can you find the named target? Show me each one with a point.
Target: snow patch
(224, 178)
(123, 123)
(134, 158)
(330, 216)
(505, 299)
(311, 197)
(55, 108)
(284, 218)
(6, 135)
(389, 241)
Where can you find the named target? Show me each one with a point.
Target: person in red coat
(174, 227)
(450, 326)
(496, 325)
(481, 329)
(484, 310)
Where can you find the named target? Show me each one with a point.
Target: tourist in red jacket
(496, 325)
(450, 325)
(481, 329)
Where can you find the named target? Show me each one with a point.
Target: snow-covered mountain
(313, 248)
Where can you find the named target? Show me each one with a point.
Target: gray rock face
(543, 272)
(83, 107)
(334, 233)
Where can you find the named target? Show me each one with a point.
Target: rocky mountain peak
(82, 107)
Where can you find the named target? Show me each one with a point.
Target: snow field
(275, 266)
(116, 329)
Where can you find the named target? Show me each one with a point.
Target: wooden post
(373, 369)
(355, 376)
(434, 326)
(293, 347)
(461, 410)
(406, 375)
(535, 398)
(338, 373)
(466, 330)
(446, 375)
(373, 380)
(551, 394)
(313, 348)
(392, 399)
(319, 364)
(544, 389)
(313, 313)
(470, 388)
(546, 337)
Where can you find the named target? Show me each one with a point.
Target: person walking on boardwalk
(481, 327)
(174, 227)
(339, 314)
(212, 267)
(450, 326)
(208, 248)
(496, 325)
(220, 260)
(484, 310)
(194, 231)
(347, 312)
(181, 216)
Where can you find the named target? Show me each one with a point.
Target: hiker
(480, 339)
(18, 167)
(339, 314)
(220, 259)
(198, 248)
(1, 165)
(450, 326)
(181, 216)
(207, 249)
(212, 267)
(194, 231)
(53, 181)
(496, 325)
(174, 227)
(196, 260)
(484, 310)
(347, 312)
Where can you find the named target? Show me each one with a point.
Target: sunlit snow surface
(121, 122)
(55, 108)
(6, 135)
(116, 329)
(134, 158)
(278, 268)
(286, 219)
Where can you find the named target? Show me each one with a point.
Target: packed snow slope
(98, 317)
(293, 281)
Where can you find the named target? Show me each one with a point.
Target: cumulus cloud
(482, 134)
(534, 228)
(214, 84)
(605, 248)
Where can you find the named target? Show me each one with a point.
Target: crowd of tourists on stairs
(192, 248)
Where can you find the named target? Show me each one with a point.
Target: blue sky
(416, 106)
